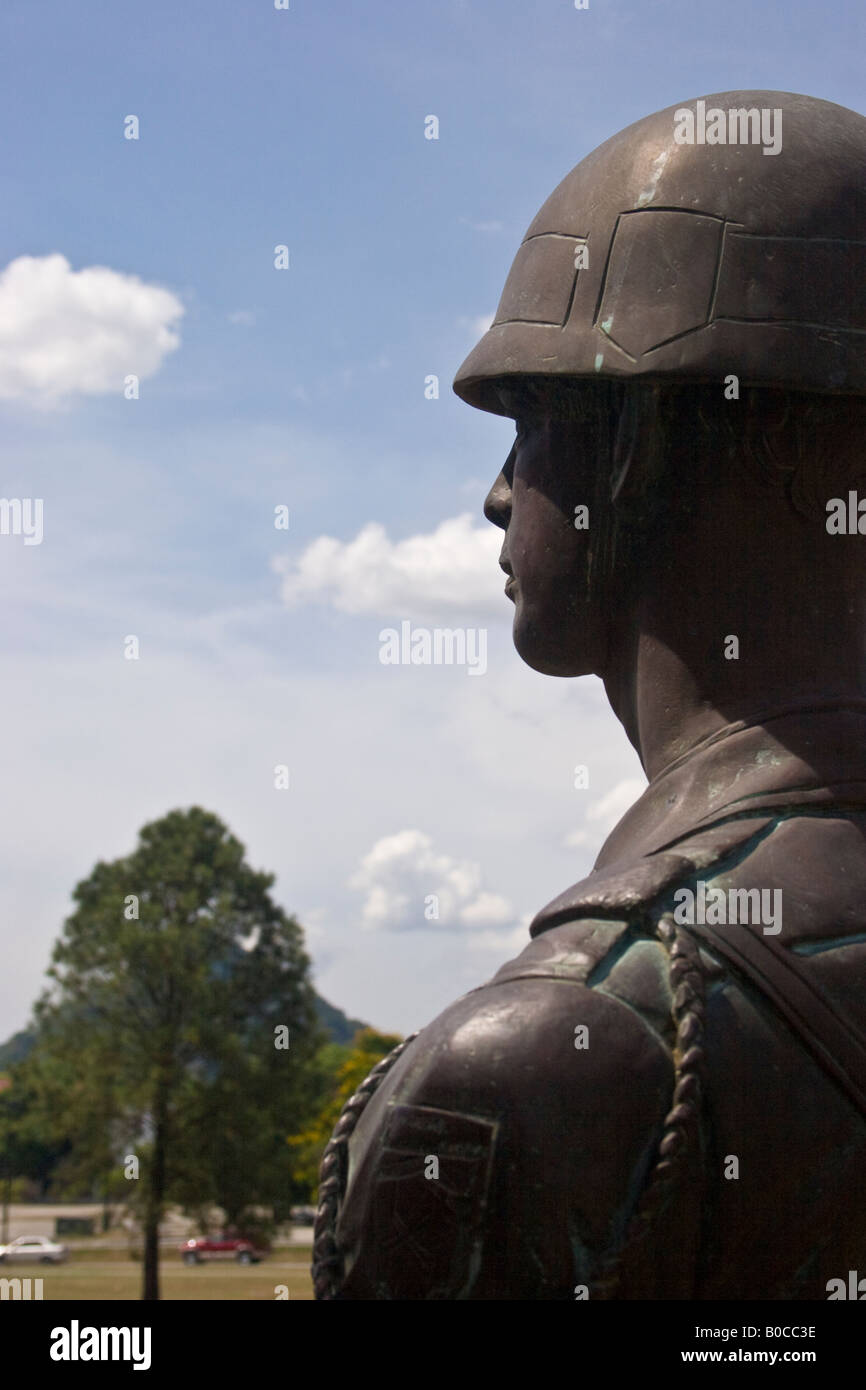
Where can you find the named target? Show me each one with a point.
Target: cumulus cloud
(608, 810)
(70, 332)
(502, 943)
(408, 886)
(476, 327)
(612, 807)
(452, 568)
(492, 226)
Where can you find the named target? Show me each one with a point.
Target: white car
(33, 1248)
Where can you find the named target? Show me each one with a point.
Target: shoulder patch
(427, 1202)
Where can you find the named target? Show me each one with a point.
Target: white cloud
(492, 226)
(65, 332)
(244, 317)
(504, 944)
(453, 568)
(614, 805)
(401, 876)
(609, 810)
(487, 908)
(478, 326)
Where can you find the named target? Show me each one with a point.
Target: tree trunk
(7, 1193)
(154, 1206)
(150, 1284)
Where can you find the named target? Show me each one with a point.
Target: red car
(201, 1248)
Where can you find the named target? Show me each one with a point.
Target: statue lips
(511, 582)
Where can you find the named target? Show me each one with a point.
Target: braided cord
(327, 1257)
(681, 1130)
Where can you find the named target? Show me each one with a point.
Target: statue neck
(747, 610)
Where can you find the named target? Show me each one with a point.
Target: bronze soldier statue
(664, 1095)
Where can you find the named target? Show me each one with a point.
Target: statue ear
(636, 441)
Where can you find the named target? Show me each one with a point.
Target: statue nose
(497, 504)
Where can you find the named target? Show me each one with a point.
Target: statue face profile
(545, 557)
(556, 517)
(644, 526)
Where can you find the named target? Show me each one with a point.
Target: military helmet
(726, 235)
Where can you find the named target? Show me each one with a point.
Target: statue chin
(534, 650)
(542, 647)
(545, 662)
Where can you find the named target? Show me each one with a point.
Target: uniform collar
(721, 793)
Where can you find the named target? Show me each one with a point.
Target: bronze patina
(664, 1095)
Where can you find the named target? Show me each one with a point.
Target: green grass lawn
(113, 1277)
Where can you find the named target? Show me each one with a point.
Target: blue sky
(305, 388)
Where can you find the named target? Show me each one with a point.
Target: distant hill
(15, 1049)
(336, 1024)
(339, 1027)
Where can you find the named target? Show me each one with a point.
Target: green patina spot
(599, 358)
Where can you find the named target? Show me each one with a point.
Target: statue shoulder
(518, 1121)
